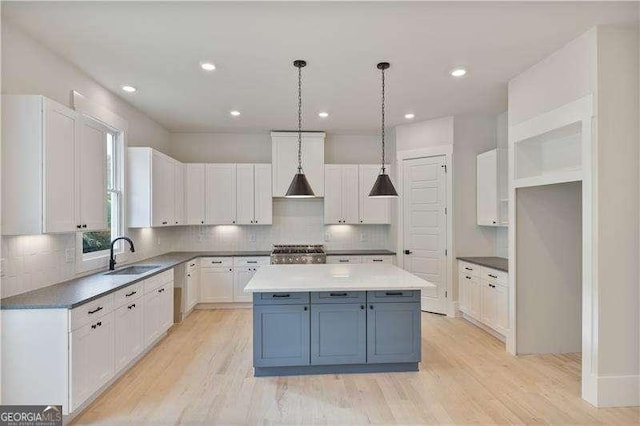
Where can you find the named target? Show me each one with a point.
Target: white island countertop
(326, 277)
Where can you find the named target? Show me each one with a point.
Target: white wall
(502, 141)
(32, 262)
(424, 134)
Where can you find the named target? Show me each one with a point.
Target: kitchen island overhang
(314, 319)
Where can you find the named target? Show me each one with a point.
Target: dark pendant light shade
(383, 188)
(299, 187)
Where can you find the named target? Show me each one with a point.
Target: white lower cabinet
(92, 358)
(484, 295)
(158, 312)
(129, 331)
(192, 281)
(385, 258)
(242, 275)
(216, 285)
(344, 259)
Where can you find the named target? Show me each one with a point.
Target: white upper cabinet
(151, 188)
(372, 210)
(491, 190)
(254, 201)
(53, 168)
(194, 194)
(284, 158)
(341, 194)
(178, 193)
(220, 187)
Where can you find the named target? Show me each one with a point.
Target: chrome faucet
(112, 258)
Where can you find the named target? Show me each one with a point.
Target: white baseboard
(617, 391)
(484, 327)
(225, 305)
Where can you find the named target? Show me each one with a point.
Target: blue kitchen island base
(336, 332)
(335, 369)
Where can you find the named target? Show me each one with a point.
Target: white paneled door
(425, 226)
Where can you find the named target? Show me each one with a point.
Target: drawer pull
(130, 294)
(394, 293)
(252, 261)
(493, 276)
(468, 277)
(468, 269)
(344, 260)
(216, 261)
(99, 308)
(131, 306)
(161, 290)
(281, 295)
(338, 294)
(377, 260)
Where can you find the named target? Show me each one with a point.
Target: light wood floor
(201, 374)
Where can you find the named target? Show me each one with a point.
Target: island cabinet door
(393, 332)
(339, 333)
(280, 335)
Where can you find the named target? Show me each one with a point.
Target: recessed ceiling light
(458, 72)
(409, 116)
(207, 66)
(129, 89)
(234, 113)
(323, 114)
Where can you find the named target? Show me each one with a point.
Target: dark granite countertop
(499, 263)
(360, 252)
(73, 293)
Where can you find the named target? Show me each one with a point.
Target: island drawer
(281, 298)
(393, 296)
(338, 297)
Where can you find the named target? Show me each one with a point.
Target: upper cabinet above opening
(284, 160)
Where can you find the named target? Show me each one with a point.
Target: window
(96, 243)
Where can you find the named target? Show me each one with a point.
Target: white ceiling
(157, 48)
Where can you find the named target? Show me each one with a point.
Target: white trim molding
(433, 151)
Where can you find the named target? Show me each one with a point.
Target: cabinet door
(393, 332)
(263, 199)
(166, 307)
(333, 194)
(350, 201)
(92, 172)
(60, 181)
(129, 331)
(220, 194)
(193, 288)
(488, 305)
(216, 285)
(313, 163)
(194, 194)
(474, 292)
(463, 292)
(245, 194)
(151, 316)
(162, 190)
(178, 193)
(372, 210)
(280, 335)
(242, 276)
(338, 333)
(502, 309)
(103, 356)
(487, 188)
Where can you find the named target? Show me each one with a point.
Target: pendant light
(383, 188)
(299, 187)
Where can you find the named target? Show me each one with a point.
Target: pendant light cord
(299, 119)
(383, 164)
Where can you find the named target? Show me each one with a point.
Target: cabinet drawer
(159, 280)
(379, 259)
(495, 275)
(469, 268)
(215, 262)
(127, 294)
(88, 312)
(344, 259)
(192, 265)
(338, 297)
(251, 261)
(393, 296)
(281, 298)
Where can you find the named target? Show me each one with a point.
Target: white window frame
(118, 127)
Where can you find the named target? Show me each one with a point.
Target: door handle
(408, 252)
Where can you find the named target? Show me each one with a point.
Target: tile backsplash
(36, 261)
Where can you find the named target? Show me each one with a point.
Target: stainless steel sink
(134, 270)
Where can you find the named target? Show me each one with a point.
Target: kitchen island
(354, 318)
